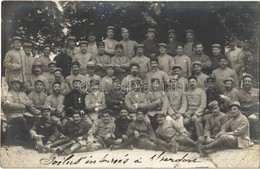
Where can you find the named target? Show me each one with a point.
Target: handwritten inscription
(73, 160)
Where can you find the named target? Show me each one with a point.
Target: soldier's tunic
(123, 62)
(232, 95)
(69, 79)
(126, 82)
(103, 60)
(63, 61)
(188, 49)
(150, 47)
(185, 63)
(133, 100)
(121, 127)
(153, 105)
(129, 48)
(83, 59)
(74, 130)
(166, 62)
(44, 60)
(107, 83)
(92, 48)
(202, 80)
(55, 102)
(14, 59)
(159, 74)
(171, 47)
(235, 59)
(88, 78)
(38, 100)
(33, 78)
(49, 76)
(205, 62)
(144, 64)
(215, 62)
(213, 94)
(28, 63)
(221, 74)
(110, 46)
(64, 88)
(72, 52)
(113, 99)
(177, 101)
(76, 100)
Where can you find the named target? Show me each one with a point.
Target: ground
(17, 156)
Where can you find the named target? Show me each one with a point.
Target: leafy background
(51, 22)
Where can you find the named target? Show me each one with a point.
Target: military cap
(17, 38)
(177, 66)
(134, 64)
(110, 112)
(75, 63)
(71, 38)
(189, 31)
(139, 46)
(196, 63)
(91, 64)
(27, 44)
(154, 59)
(44, 107)
(76, 80)
(163, 44)
(192, 77)
(115, 79)
(95, 82)
(83, 42)
(101, 44)
(213, 104)
(111, 27)
(110, 66)
(223, 57)
(171, 31)
(215, 45)
(139, 109)
(210, 79)
(124, 29)
(151, 30)
(57, 69)
(160, 113)
(16, 80)
(228, 79)
(56, 82)
(52, 62)
(119, 45)
(155, 80)
(76, 111)
(38, 80)
(47, 45)
(235, 103)
(179, 44)
(37, 63)
(248, 75)
(91, 33)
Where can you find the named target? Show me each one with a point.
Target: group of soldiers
(119, 95)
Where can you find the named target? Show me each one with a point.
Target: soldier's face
(232, 45)
(46, 114)
(84, 48)
(228, 85)
(134, 70)
(197, 68)
(162, 50)
(27, 50)
(47, 51)
(189, 36)
(150, 35)
(117, 85)
(171, 35)
(75, 69)
(160, 118)
(16, 86)
(223, 63)
(155, 85)
(154, 65)
(17, 44)
(110, 33)
(91, 70)
(132, 116)
(105, 117)
(234, 112)
(119, 50)
(39, 86)
(76, 118)
(57, 75)
(37, 69)
(101, 49)
(123, 114)
(135, 87)
(192, 83)
(215, 110)
(56, 88)
(63, 49)
(210, 84)
(180, 50)
(91, 38)
(139, 116)
(110, 71)
(199, 48)
(52, 67)
(247, 82)
(216, 51)
(176, 71)
(76, 85)
(125, 34)
(71, 43)
(139, 51)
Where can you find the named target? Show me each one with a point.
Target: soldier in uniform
(197, 102)
(101, 60)
(45, 57)
(216, 52)
(157, 101)
(188, 47)
(212, 92)
(166, 62)
(172, 43)
(64, 88)
(110, 42)
(201, 77)
(91, 67)
(83, 56)
(249, 100)
(183, 60)
(214, 123)
(95, 101)
(182, 81)
(200, 56)
(108, 79)
(44, 130)
(151, 48)
(142, 60)
(120, 62)
(74, 74)
(134, 75)
(92, 45)
(234, 134)
(63, 61)
(50, 74)
(72, 49)
(222, 73)
(129, 45)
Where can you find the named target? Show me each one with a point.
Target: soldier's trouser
(203, 140)
(129, 141)
(164, 144)
(254, 125)
(93, 116)
(197, 122)
(144, 143)
(153, 121)
(17, 129)
(87, 119)
(225, 141)
(178, 121)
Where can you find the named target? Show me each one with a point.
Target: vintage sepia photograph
(130, 84)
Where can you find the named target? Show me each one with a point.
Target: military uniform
(126, 82)
(63, 61)
(28, 61)
(83, 59)
(166, 62)
(113, 100)
(177, 101)
(121, 127)
(234, 56)
(150, 47)
(188, 49)
(33, 78)
(44, 60)
(185, 63)
(171, 47)
(129, 48)
(107, 83)
(88, 78)
(55, 103)
(134, 100)
(74, 130)
(38, 100)
(69, 79)
(158, 74)
(74, 99)
(202, 80)
(110, 46)
(205, 62)
(92, 48)
(103, 60)
(123, 63)
(64, 88)
(144, 64)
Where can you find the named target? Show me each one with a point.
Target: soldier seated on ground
(234, 134)
(44, 130)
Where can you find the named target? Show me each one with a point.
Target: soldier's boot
(40, 147)
(174, 145)
(48, 147)
(61, 148)
(72, 149)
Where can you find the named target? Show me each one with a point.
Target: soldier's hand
(118, 141)
(178, 115)
(124, 137)
(137, 134)
(82, 112)
(107, 136)
(79, 138)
